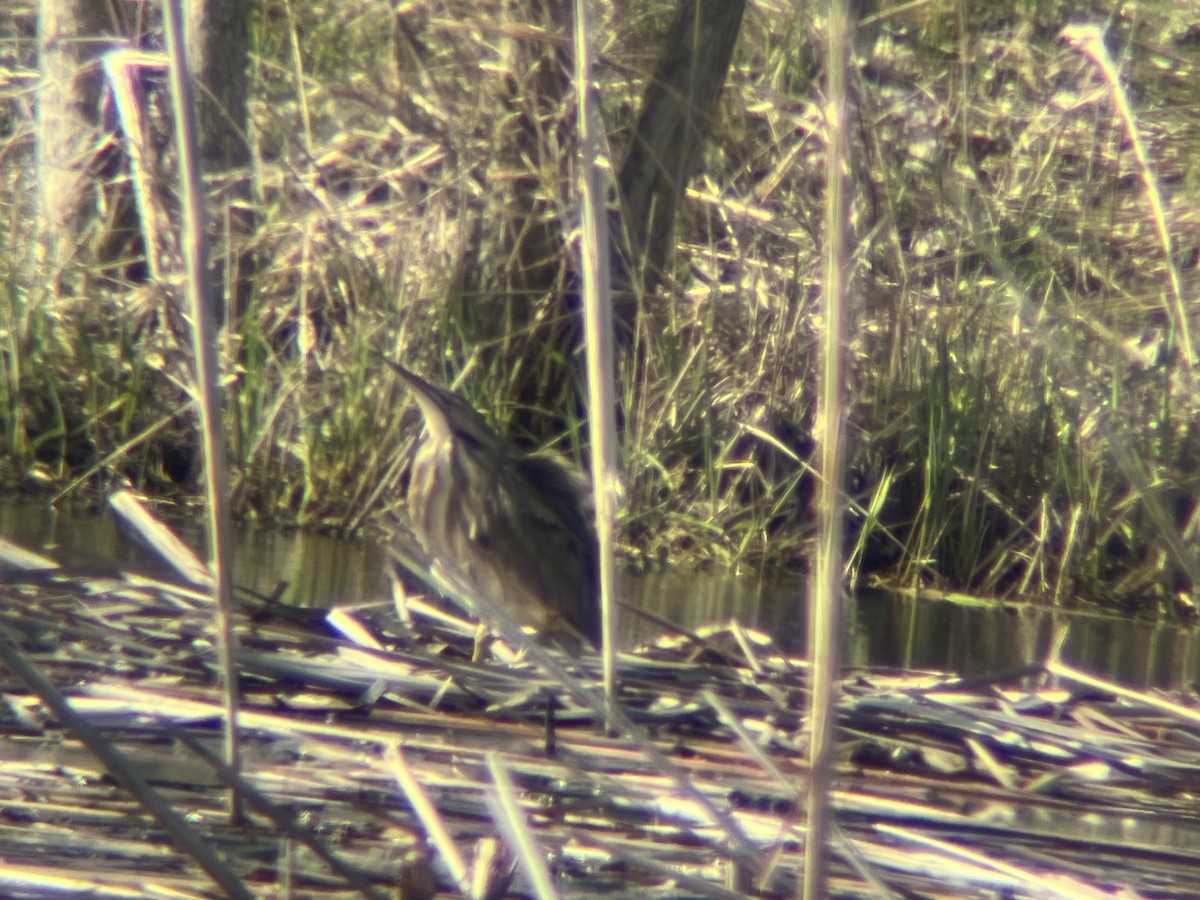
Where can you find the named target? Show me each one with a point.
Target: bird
(511, 530)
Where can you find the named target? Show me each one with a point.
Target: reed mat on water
(378, 758)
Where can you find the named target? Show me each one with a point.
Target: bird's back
(516, 529)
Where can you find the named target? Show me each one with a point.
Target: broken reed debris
(942, 786)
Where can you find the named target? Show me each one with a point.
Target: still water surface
(881, 629)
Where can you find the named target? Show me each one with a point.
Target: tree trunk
(218, 44)
(676, 118)
(68, 126)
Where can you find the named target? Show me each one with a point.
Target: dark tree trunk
(676, 118)
(87, 213)
(218, 48)
(520, 288)
(68, 126)
(218, 45)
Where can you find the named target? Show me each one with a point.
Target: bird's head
(448, 418)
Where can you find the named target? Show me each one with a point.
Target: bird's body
(510, 530)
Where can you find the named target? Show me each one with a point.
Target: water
(881, 629)
(319, 570)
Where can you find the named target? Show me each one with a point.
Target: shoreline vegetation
(1023, 418)
(401, 182)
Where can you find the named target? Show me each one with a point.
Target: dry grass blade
(753, 751)
(1089, 39)
(1178, 710)
(16, 557)
(159, 538)
(509, 817)
(671, 875)
(952, 862)
(435, 827)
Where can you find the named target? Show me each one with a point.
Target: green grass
(1007, 265)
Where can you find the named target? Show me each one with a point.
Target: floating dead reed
(378, 758)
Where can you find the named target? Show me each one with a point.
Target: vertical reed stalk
(597, 304)
(826, 582)
(200, 301)
(1089, 40)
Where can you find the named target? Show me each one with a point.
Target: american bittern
(511, 529)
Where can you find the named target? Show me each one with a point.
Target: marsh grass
(1014, 305)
